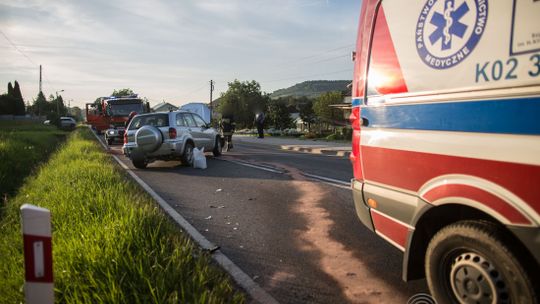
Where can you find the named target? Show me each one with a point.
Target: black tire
(217, 147)
(187, 155)
(140, 164)
(469, 261)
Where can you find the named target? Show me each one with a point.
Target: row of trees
(12, 102)
(245, 99)
(52, 107)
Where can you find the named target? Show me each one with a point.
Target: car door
(195, 130)
(182, 127)
(207, 134)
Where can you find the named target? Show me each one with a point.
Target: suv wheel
(217, 147)
(187, 156)
(140, 164)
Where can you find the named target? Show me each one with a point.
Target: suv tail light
(172, 133)
(125, 137)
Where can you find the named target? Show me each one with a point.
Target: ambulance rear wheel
(467, 262)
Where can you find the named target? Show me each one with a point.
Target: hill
(312, 88)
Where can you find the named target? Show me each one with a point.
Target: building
(164, 107)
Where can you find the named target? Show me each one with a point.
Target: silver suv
(168, 136)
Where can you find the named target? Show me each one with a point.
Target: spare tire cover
(148, 139)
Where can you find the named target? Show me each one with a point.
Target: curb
(256, 292)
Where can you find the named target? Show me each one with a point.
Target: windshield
(156, 120)
(125, 109)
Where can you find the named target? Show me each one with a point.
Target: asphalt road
(297, 237)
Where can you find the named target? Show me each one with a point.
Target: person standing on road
(259, 122)
(227, 126)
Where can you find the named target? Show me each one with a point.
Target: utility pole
(40, 78)
(211, 90)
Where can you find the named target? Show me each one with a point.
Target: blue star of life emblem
(447, 31)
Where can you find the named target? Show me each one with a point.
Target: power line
(317, 54)
(311, 63)
(17, 48)
(190, 93)
(308, 76)
(332, 58)
(27, 57)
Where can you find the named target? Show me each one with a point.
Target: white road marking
(260, 167)
(326, 180)
(329, 181)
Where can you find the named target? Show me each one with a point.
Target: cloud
(167, 48)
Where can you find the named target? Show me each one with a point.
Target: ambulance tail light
(355, 156)
(355, 119)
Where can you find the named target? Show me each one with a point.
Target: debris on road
(208, 217)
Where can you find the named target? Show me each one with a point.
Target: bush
(310, 135)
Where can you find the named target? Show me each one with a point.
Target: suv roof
(161, 113)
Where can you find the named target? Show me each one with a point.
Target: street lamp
(57, 105)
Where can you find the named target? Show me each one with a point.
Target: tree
(77, 113)
(10, 89)
(61, 106)
(20, 108)
(305, 110)
(122, 92)
(7, 104)
(322, 108)
(278, 114)
(40, 105)
(243, 100)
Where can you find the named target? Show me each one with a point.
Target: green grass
(111, 243)
(23, 145)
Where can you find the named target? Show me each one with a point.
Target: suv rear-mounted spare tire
(148, 139)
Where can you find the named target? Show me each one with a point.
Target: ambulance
(446, 142)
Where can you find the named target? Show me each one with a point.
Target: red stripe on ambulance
(390, 228)
(411, 170)
(479, 195)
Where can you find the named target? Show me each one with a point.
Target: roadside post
(37, 238)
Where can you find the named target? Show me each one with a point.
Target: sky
(169, 50)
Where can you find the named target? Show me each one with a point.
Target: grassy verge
(23, 145)
(111, 244)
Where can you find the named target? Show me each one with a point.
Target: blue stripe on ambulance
(508, 116)
(356, 102)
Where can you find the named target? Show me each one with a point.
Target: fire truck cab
(110, 114)
(446, 142)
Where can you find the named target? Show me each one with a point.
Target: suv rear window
(156, 120)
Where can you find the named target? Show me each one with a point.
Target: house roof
(164, 106)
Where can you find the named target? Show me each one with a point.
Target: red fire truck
(110, 114)
(446, 142)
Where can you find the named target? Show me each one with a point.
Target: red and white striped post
(36, 228)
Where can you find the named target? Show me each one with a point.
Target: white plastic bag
(199, 160)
